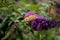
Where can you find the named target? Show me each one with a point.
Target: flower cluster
(41, 23)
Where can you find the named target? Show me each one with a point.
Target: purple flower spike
(42, 23)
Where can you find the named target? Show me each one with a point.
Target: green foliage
(32, 7)
(14, 13)
(25, 1)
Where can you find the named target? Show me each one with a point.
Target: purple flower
(42, 23)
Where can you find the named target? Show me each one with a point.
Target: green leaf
(24, 1)
(32, 7)
(8, 0)
(45, 14)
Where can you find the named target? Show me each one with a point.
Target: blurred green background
(12, 13)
